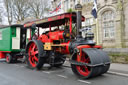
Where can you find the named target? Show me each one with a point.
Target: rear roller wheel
(8, 58)
(33, 55)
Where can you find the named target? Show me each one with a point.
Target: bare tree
(0, 15)
(39, 8)
(1, 12)
(8, 6)
(20, 10)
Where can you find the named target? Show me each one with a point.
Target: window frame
(109, 27)
(1, 35)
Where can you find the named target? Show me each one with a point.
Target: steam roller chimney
(78, 8)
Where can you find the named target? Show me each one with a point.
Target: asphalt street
(19, 74)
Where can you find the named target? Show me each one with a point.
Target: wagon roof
(53, 21)
(14, 25)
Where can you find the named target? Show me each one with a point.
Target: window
(114, 1)
(0, 35)
(75, 1)
(108, 24)
(66, 4)
(89, 21)
(87, 1)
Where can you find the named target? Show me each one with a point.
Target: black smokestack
(78, 8)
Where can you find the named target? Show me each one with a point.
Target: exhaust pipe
(78, 8)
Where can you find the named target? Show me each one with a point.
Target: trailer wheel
(8, 58)
(34, 51)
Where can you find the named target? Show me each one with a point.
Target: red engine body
(51, 36)
(57, 39)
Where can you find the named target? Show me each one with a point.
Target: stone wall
(126, 22)
(116, 50)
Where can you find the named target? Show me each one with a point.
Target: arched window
(108, 24)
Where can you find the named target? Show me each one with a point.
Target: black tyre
(34, 55)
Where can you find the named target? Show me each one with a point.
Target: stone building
(110, 28)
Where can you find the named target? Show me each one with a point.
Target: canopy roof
(57, 20)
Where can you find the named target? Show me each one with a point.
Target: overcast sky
(4, 18)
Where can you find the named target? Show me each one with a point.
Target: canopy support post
(71, 24)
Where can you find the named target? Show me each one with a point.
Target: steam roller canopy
(95, 62)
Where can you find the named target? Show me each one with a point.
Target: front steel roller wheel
(81, 71)
(95, 57)
(34, 52)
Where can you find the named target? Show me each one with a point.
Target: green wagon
(12, 42)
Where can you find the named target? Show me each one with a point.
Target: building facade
(110, 28)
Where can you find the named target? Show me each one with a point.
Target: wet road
(19, 74)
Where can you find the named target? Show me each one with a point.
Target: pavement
(115, 68)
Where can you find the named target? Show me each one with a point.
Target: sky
(4, 18)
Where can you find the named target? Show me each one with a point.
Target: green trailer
(12, 42)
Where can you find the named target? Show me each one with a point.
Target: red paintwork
(83, 70)
(33, 58)
(88, 46)
(71, 24)
(65, 48)
(2, 54)
(57, 35)
(97, 46)
(7, 58)
(83, 46)
(30, 23)
(44, 38)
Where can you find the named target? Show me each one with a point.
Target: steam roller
(87, 59)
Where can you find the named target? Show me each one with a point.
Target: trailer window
(0, 35)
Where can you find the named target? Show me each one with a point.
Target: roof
(53, 21)
(1, 26)
(14, 25)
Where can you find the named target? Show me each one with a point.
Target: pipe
(78, 8)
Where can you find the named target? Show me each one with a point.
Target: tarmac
(115, 69)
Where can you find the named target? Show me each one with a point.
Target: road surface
(19, 74)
